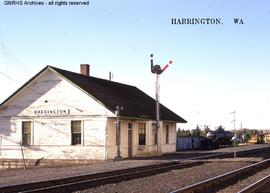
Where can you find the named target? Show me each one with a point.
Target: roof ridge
(78, 74)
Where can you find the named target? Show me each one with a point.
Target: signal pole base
(118, 158)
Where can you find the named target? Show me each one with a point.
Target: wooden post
(23, 160)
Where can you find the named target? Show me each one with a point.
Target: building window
(26, 132)
(142, 133)
(76, 132)
(130, 125)
(167, 134)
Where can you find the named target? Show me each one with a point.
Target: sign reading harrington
(52, 112)
(196, 21)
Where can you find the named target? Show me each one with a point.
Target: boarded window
(167, 134)
(142, 133)
(26, 132)
(76, 132)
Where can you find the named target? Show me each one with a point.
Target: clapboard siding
(52, 101)
(51, 133)
(51, 91)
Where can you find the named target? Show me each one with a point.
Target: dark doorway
(130, 127)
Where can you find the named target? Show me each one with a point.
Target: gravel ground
(169, 181)
(20, 176)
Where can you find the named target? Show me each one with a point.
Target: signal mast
(156, 69)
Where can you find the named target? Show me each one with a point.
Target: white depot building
(60, 114)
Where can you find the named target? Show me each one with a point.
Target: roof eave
(150, 119)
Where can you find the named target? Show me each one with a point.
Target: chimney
(85, 69)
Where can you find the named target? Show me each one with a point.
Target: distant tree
(178, 131)
(248, 134)
(183, 133)
(254, 132)
(197, 131)
(246, 137)
(205, 131)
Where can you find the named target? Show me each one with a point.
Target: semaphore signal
(156, 69)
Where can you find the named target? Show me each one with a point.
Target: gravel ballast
(20, 176)
(169, 181)
(246, 182)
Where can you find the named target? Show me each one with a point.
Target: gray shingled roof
(135, 102)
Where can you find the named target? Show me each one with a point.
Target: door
(130, 126)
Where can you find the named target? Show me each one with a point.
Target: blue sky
(217, 68)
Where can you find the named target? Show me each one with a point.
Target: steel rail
(229, 154)
(205, 185)
(256, 185)
(74, 183)
(71, 184)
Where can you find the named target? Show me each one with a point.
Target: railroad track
(75, 183)
(71, 184)
(238, 154)
(212, 184)
(261, 186)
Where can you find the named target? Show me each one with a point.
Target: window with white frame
(26, 132)
(76, 132)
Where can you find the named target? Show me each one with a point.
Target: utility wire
(9, 77)
(15, 60)
(9, 57)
